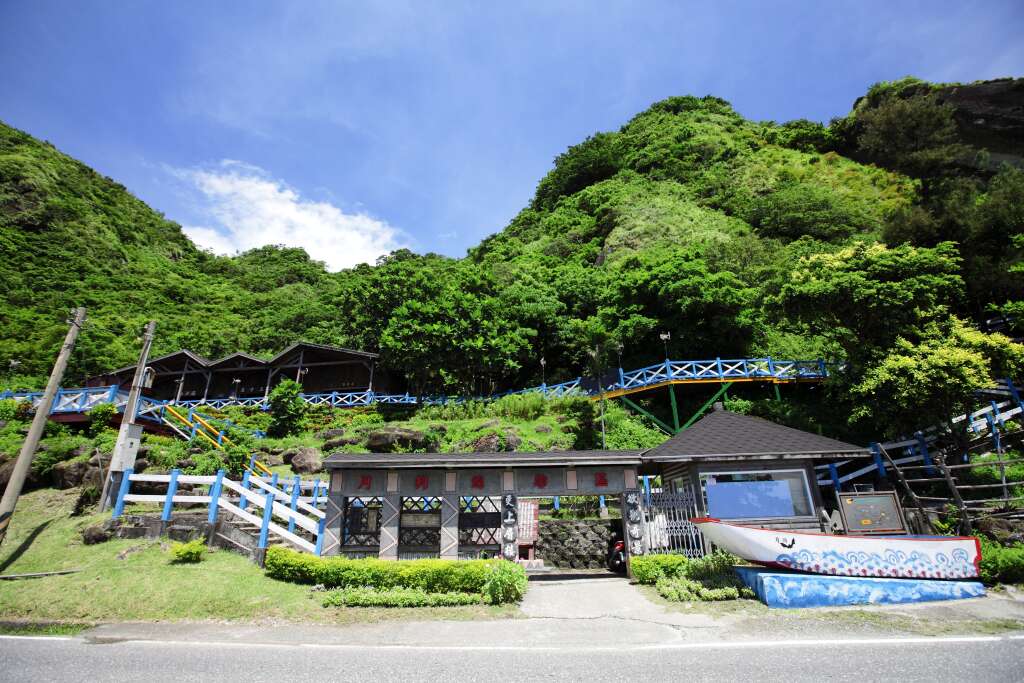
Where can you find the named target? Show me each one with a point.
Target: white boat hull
(924, 557)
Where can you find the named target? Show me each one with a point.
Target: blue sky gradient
(352, 129)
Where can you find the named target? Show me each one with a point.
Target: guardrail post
(268, 512)
(172, 488)
(193, 423)
(771, 366)
(294, 502)
(876, 451)
(215, 489)
(555, 503)
(122, 491)
(922, 446)
(622, 379)
(316, 491)
(320, 528)
(993, 430)
(647, 490)
(821, 367)
(997, 415)
(834, 472)
(718, 364)
(273, 480)
(245, 485)
(112, 395)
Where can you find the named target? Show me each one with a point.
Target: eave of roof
(320, 347)
(237, 354)
(724, 435)
(191, 354)
(478, 460)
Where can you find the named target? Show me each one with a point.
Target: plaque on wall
(421, 520)
(874, 512)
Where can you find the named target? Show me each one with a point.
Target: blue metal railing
(713, 370)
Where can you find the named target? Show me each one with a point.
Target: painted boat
(921, 557)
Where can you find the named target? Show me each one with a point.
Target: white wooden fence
(235, 498)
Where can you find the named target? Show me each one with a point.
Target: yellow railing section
(205, 429)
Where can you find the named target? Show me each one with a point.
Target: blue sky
(352, 128)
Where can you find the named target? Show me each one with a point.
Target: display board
(421, 520)
(875, 512)
(749, 499)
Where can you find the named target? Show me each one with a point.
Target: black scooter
(617, 557)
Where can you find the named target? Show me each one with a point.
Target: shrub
(706, 578)
(647, 569)
(397, 597)
(681, 589)
(1000, 564)
(433, 576)
(287, 409)
(506, 582)
(11, 410)
(188, 553)
(100, 417)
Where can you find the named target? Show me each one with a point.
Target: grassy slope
(134, 579)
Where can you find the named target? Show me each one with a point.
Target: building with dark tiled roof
(319, 368)
(747, 468)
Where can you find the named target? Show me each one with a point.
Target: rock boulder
(387, 439)
(307, 461)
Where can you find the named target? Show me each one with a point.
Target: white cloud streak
(252, 209)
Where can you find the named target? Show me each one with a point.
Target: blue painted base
(777, 588)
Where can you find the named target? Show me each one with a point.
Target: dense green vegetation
(880, 240)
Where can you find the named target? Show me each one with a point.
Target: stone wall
(576, 543)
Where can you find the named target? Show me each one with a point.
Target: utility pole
(129, 434)
(35, 432)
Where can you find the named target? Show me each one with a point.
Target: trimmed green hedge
(498, 580)
(648, 569)
(396, 597)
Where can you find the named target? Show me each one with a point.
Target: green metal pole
(778, 394)
(664, 427)
(675, 410)
(700, 411)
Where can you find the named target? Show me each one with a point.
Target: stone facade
(576, 543)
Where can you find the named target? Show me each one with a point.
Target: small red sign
(600, 479)
(421, 483)
(365, 483)
(540, 481)
(477, 482)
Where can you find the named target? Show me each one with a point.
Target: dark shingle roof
(725, 435)
(455, 460)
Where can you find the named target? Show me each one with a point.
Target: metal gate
(667, 526)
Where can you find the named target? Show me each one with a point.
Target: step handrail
(278, 493)
(282, 511)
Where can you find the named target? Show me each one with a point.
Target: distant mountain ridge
(689, 218)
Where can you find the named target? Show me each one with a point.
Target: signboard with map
(874, 512)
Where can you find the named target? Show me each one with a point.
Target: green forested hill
(881, 240)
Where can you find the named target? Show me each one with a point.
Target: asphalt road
(982, 658)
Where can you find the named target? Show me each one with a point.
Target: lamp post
(665, 338)
(543, 376)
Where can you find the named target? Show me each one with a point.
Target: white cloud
(253, 209)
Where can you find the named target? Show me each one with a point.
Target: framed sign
(874, 512)
(421, 520)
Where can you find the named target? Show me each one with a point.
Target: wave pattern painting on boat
(895, 563)
(896, 557)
